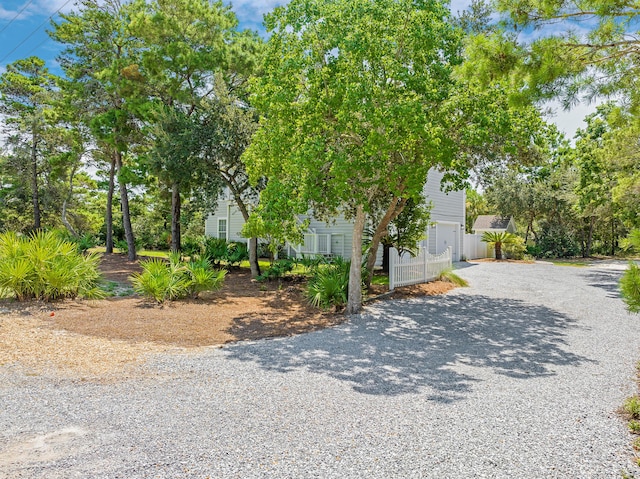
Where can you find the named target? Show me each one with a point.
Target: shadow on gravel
(402, 347)
(607, 280)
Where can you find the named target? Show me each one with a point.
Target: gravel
(518, 376)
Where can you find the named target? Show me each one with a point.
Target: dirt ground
(94, 338)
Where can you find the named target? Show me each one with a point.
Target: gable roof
(491, 222)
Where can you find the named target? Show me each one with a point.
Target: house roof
(491, 222)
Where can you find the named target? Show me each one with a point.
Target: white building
(447, 218)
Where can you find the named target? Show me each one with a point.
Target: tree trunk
(590, 237)
(498, 248)
(395, 208)
(126, 217)
(354, 300)
(613, 237)
(63, 218)
(253, 242)
(176, 240)
(108, 220)
(35, 198)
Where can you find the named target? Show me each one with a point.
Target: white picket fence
(405, 270)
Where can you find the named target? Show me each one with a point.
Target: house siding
(447, 216)
(448, 210)
(235, 221)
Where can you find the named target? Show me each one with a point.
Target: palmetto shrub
(44, 266)
(236, 253)
(329, 284)
(167, 281)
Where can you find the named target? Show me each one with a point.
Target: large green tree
(101, 60)
(27, 101)
(225, 126)
(352, 96)
(187, 42)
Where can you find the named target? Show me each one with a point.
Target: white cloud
(49, 7)
(252, 11)
(568, 121)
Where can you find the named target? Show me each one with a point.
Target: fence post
(392, 268)
(425, 259)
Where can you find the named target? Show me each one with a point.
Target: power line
(17, 15)
(33, 32)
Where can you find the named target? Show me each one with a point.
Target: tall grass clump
(45, 267)
(175, 279)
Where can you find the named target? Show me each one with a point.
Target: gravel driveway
(518, 376)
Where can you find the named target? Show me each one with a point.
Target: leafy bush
(515, 249)
(630, 281)
(236, 253)
(43, 266)
(85, 242)
(175, 279)
(630, 288)
(556, 242)
(329, 285)
(277, 270)
(203, 278)
(192, 246)
(215, 250)
(534, 251)
(122, 245)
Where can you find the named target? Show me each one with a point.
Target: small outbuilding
(494, 224)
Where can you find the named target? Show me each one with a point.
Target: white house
(447, 230)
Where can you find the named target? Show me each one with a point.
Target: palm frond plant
(329, 284)
(203, 278)
(167, 281)
(47, 267)
(496, 239)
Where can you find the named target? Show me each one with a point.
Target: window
(222, 228)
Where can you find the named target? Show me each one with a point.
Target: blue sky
(23, 25)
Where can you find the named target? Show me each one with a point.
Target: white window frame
(226, 228)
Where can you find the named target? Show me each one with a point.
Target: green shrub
(634, 426)
(122, 245)
(203, 278)
(277, 270)
(630, 288)
(312, 263)
(632, 407)
(516, 248)
(329, 285)
(215, 250)
(236, 253)
(192, 246)
(43, 266)
(175, 279)
(556, 242)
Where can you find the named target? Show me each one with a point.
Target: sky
(23, 25)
